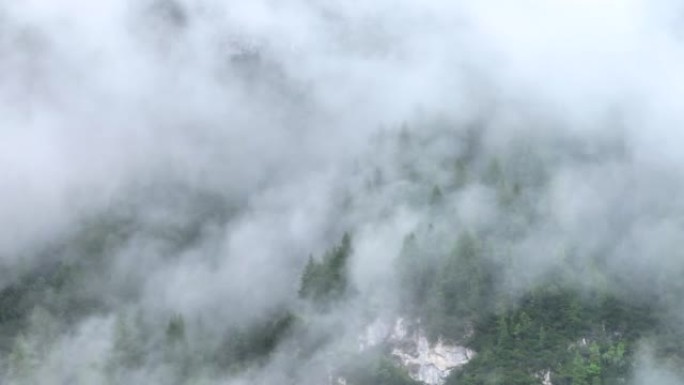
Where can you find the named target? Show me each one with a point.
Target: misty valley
(454, 286)
(301, 192)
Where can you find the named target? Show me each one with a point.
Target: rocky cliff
(427, 362)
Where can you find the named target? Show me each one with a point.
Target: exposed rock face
(425, 362)
(431, 364)
(545, 377)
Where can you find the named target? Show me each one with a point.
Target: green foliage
(554, 329)
(373, 368)
(31, 347)
(128, 350)
(415, 273)
(253, 344)
(448, 298)
(493, 175)
(175, 330)
(326, 281)
(22, 361)
(461, 174)
(581, 338)
(436, 195)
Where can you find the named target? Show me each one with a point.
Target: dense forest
(383, 192)
(578, 323)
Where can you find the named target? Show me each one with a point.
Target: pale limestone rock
(431, 364)
(545, 377)
(425, 362)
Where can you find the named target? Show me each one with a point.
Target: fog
(215, 145)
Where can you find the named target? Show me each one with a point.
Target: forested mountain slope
(461, 278)
(299, 192)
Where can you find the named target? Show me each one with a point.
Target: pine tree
(175, 330)
(326, 280)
